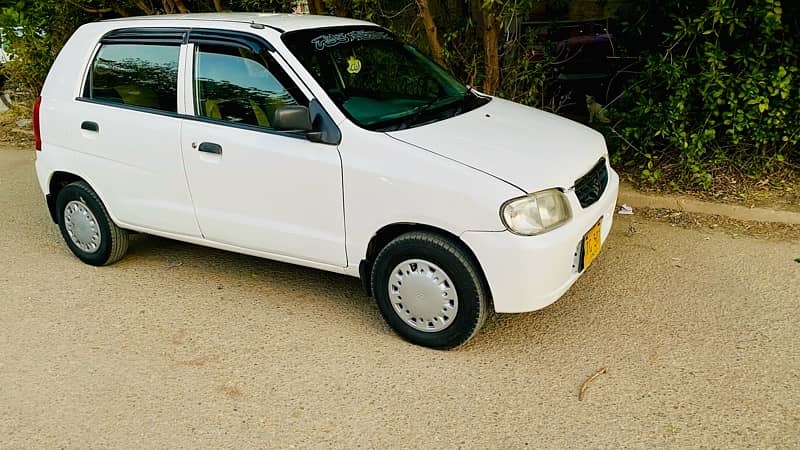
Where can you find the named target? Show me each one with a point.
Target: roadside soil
(779, 190)
(11, 133)
(733, 227)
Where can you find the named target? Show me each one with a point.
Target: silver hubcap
(81, 226)
(423, 295)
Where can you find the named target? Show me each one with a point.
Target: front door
(254, 187)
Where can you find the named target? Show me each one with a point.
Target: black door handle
(90, 126)
(210, 147)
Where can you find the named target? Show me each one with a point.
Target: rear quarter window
(144, 76)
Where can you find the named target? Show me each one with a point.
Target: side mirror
(292, 118)
(297, 118)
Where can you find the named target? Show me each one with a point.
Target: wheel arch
(389, 232)
(58, 180)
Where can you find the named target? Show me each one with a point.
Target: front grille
(590, 187)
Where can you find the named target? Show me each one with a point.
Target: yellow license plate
(591, 244)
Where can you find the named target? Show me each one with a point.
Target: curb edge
(631, 197)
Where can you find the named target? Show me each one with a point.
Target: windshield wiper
(415, 115)
(417, 112)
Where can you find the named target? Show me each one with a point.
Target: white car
(323, 142)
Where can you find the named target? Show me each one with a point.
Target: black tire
(457, 263)
(113, 239)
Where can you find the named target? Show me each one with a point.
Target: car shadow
(256, 277)
(243, 271)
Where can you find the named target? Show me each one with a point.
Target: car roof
(278, 21)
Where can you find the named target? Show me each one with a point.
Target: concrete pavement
(183, 346)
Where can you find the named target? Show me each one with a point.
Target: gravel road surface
(183, 346)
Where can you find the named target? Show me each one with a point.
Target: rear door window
(144, 76)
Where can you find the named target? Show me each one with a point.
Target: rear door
(252, 186)
(127, 121)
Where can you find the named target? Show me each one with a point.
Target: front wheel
(429, 290)
(86, 226)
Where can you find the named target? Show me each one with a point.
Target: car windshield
(380, 83)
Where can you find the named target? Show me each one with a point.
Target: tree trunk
(180, 6)
(431, 32)
(491, 48)
(169, 7)
(218, 6)
(144, 7)
(122, 12)
(339, 9)
(317, 7)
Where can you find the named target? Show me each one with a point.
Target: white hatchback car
(323, 142)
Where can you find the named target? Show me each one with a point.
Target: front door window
(238, 86)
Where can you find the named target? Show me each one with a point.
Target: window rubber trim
(207, 120)
(260, 46)
(208, 36)
(246, 41)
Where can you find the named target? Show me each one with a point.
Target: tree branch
(144, 7)
(431, 32)
(90, 10)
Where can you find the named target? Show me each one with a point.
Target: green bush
(532, 81)
(43, 28)
(27, 70)
(724, 90)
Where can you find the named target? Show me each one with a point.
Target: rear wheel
(429, 290)
(86, 226)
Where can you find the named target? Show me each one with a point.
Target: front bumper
(526, 273)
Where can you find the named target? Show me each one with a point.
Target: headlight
(536, 213)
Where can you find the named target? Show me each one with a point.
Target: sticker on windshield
(353, 65)
(331, 40)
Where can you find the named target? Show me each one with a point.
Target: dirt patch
(16, 127)
(197, 362)
(232, 391)
(764, 230)
(778, 190)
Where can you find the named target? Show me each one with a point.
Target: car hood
(526, 147)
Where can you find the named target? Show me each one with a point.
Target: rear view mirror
(292, 118)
